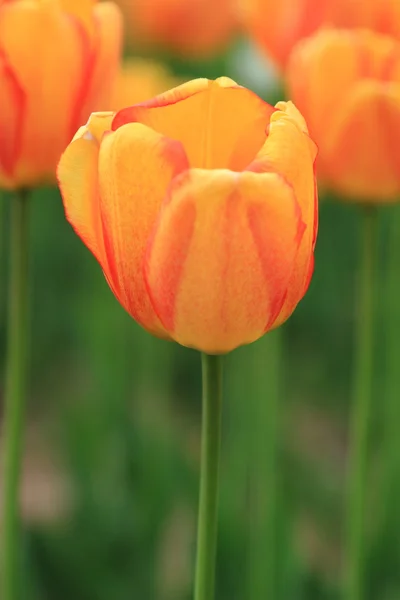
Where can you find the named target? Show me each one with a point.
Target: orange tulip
(194, 28)
(347, 84)
(278, 26)
(57, 62)
(200, 207)
(137, 80)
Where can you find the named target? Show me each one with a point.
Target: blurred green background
(111, 464)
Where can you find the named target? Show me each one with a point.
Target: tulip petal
(221, 255)
(290, 152)
(176, 94)
(220, 124)
(81, 10)
(108, 33)
(136, 166)
(12, 101)
(48, 54)
(362, 156)
(77, 175)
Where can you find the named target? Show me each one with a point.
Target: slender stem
(265, 371)
(15, 394)
(391, 492)
(210, 450)
(359, 426)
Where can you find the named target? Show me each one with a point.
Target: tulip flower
(190, 28)
(57, 63)
(347, 84)
(137, 80)
(277, 26)
(200, 206)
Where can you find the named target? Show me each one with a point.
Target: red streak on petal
(273, 265)
(12, 105)
(176, 249)
(132, 114)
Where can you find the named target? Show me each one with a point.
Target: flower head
(200, 205)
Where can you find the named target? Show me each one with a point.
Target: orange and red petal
(221, 255)
(220, 124)
(81, 10)
(12, 102)
(176, 94)
(136, 165)
(290, 152)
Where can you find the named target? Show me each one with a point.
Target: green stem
(359, 426)
(208, 503)
(15, 394)
(264, 370)
(392, 375)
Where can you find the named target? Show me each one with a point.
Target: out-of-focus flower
(138, 80)
(190, 28)
(200, 206)
(58, 60)
(278, 26)
(347, 84)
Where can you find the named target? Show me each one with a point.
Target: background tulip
(194, 28)
(278, 26)
(57, 63)
(203, 223)
(347, 84)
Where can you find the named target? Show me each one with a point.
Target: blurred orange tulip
(193, 28)
(347, 84)
(57, 63)
(138, 80)
(200, 205)
(278, 26)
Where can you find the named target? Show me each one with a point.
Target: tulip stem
(362, 395)
(392, 321)
(208, 503)
(15, 394)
